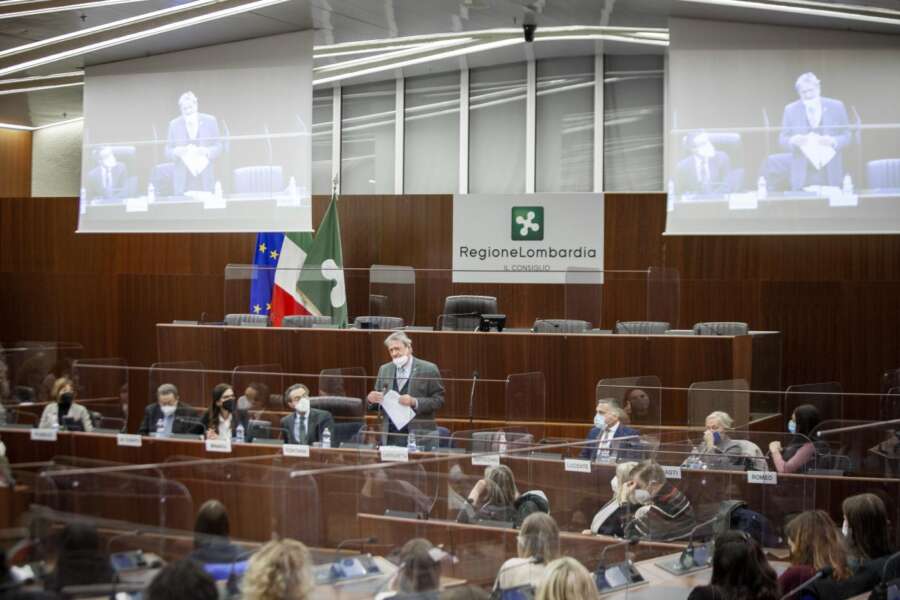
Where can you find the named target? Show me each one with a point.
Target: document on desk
(399, 415)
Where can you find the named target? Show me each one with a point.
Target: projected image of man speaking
(193, 144)
(815, 130)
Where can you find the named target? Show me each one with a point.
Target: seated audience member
(305, 425)
(800, 454)
(615, 514)
(280, 570)
(664, 512)
(221, 420)
(538, 544)
(636, 404)
(496, 498)
(80, 559)
(13, 589)
(567, 579)
(866, 528)
(256, 397)
(718, 450)
(815, 544)
(211, 531)
(608, 425)
(182, 580)
(64, 405)
(419, 575)
(705, 170)
(739, 571)
(160, 416)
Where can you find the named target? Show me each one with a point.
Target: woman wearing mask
(866, 526)
(221, 420)
(493, 497)
(664, 513)
(614, 515)
(718, 450)
(64, 405)
(815, 544)
(801, 452)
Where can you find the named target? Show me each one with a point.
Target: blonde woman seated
(614, 515)
(64, 405)
(538, 544)
(567, 579)
(280, 570)
(719, 451)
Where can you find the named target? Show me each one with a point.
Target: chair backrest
(299, 321)
(456, 323)
(560, 326)
(721, 328)
(457, 305)
(339, 406)
(249, 319)
(161, 177)
(264, 179)
(642, 327)
(882, 174)
(378, 322)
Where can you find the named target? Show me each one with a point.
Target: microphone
(863, 427)
(820, 574)
(347, 542)
(633, 541)
(472, 398)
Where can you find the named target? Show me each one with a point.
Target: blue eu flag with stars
(268, 248)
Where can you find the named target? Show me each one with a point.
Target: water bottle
(160, 427)
(847, 186)
(501, 443)
(761, 188)
(151, 194)
(292, 188)
(239, 433)
(411, 442)
(326, 438)
(217, 190)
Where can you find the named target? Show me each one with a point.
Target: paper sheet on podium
(195, 160)
(817, 153)
(399, 415)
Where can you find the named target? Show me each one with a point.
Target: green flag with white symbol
(321, 282)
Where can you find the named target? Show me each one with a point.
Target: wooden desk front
(572, 364)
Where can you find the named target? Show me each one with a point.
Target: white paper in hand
(399, 415)
(195, 160)
(817, 153)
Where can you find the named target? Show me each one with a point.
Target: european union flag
(265, 256)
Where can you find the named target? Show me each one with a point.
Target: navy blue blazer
(590, 450)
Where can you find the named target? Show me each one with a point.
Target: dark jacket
(238, 417)
(590, 450)
(153, 413)
(319, 420)
(670, 516)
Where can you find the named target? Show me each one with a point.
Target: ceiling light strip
(39, 88)
(799, 10)
(25, 12)
(417, 49)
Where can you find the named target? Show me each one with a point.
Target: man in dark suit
(193, 136)
(815, 120)
(706, 170)
(168, 415)
(107, 182)
(307, 424)
(417, 381)
(608, 427)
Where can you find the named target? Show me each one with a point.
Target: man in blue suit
(608, 427)
(193, 137)
(818, 120)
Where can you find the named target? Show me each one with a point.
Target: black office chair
(261, 179)
(463, 313)
(378, 322)
(339, 406)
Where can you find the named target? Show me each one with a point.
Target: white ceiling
(340, 21)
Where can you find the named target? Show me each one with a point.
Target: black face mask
(66, 398)
(228, 405)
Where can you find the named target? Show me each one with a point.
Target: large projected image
(776, 130)
(212, 139)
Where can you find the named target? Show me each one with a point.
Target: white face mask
(109, 162)
(707, 150)
(400, 361)
(599, 421)
(167, 409)
(642, 496)
(302, 405)
(845, 528)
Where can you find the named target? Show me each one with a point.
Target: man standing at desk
(193, 144)
(815, 130)
(417, 381)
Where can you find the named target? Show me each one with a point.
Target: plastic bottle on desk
(151, 194)
(160, 427)
(326, 438)
(847, 186)
(411, 442)
(501, 443)
(762, 189)
(239, 433)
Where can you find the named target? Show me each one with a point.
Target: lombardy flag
(321, 286)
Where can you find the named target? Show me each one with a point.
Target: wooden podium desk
(572, 364)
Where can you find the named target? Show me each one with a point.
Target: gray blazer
(318, 421)
(424, 385)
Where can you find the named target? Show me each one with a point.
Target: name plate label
(486, 460)
(672, 472)
(218, 445)
(43, 435)
(296, 450)
(762, 477)
(128, 439)
(394, 454)
(578, 465)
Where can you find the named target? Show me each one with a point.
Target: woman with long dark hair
(222, 418)
(800, 453)
(740, 571)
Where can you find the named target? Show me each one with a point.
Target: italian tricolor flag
(286, 300)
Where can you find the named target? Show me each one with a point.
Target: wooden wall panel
(15, 163)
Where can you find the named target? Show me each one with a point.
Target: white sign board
(526, 238)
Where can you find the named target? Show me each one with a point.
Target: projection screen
(780, 130)
(213, 139)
